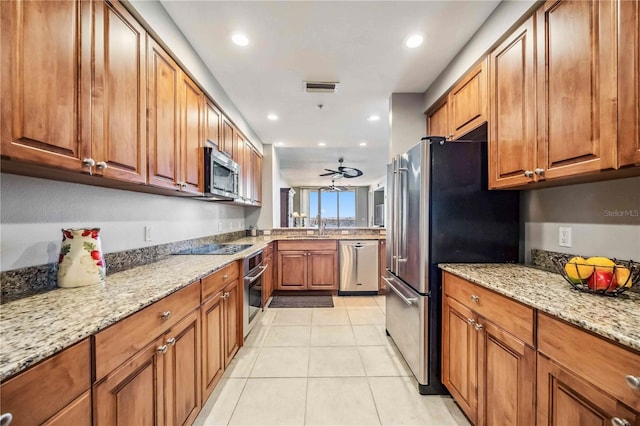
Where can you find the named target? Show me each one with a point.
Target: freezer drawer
(358, 267)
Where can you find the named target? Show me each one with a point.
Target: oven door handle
(251, 279)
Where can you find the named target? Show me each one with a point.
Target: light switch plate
(564, 236)
(147, 233)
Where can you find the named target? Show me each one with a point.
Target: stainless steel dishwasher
(358, 267)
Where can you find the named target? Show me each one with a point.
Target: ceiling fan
(333, 187)
(343, 171)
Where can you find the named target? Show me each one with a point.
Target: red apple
(602, 280)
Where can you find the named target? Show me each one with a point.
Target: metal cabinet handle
(171, 341)
(528, 173)
(475, 298)
(165, 315)
(478, 327)
(88, 162)
(101, 165)
(162, 349)
(225, 277)
(633, 382)
(470, 321)
(539, 172)
(617, 421)
(6, 419)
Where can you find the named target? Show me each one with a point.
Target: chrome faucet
(322, 226)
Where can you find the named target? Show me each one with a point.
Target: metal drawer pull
(475, 298)
(408, 300)
(171, 341)
(539, 172)
(478, 327)
(163, 349)
(224, 277)
(470, 321)
(6, 419)
(528, 173)
(633, 382)
(101, 165)
(165, 315)
(88, 162)
(617, 421)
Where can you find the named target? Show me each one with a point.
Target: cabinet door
(77, 413)
(438, 119)
(629, 83)
(506, 370)
(267, 280)
(576, 83)
(226, 141)
(182, 371)
(257, 178)
(119, 116)
(292, 270)
(212, 124)
(191, 107)
(163, 120)
(566, 399)
(512, 112)
(468, 102)
(45, 60)
(323, 270)
(133, 394)
(232, 321)
(459, 355)
(212, 344)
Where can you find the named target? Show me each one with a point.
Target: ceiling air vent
(321, 86)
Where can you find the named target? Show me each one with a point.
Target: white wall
(604, 218)
(269, 215)
(166, 32)
(492, 30)
(32, 212)
(407, 121)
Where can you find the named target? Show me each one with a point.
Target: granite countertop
(36, 327)
(616, 318)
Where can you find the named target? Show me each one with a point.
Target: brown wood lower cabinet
(307, 265)
(267, 281)
(489, 371)
(221, 326)
(53, 392)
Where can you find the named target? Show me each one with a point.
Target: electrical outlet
(147, 233)
(564, 237)
(219, 226)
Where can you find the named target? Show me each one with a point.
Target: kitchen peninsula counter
(615, 318)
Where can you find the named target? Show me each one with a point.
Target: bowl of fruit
(599, 275)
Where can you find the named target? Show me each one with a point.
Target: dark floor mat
(301, 302)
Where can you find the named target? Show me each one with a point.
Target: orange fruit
(578, 270)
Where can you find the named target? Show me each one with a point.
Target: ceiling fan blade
(350, 172)
(331, 172)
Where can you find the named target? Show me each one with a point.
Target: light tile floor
(324, 366)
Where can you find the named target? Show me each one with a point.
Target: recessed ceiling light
(373, 118)
(363, 144)
(322, 144)
(272, 117)
(413, 41)
(279, 143)
(240, 39)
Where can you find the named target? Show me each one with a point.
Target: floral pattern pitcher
(81, 262)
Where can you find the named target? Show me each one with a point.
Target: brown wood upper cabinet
(463, 109)
(576, 83)
(53, 112)
(489, 362)
(213, 121)
(176, 111)
(629, 83)
(512, 114)
(307, 265)
(227, 137)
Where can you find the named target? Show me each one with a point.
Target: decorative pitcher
(81, 262)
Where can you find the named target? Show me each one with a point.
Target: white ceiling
(358, 43)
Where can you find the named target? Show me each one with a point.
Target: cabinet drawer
(308, 245)
(36, 395)
(510, 315)
(598, 361)
(116, 344)
(211, 284)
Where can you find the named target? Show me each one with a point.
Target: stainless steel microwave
(220, 175)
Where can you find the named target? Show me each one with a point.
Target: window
(336, 209)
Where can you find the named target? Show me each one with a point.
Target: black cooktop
(216, 249)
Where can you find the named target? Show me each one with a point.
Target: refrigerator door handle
(396, 209)
(408, 300)
(402, 246)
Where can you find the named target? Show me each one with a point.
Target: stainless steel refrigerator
(439, 211)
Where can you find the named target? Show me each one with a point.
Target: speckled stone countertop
(616, 318)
